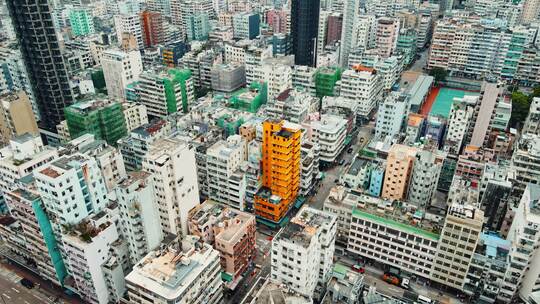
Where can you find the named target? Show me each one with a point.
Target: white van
(424, 300)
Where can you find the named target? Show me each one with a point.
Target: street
(317, 201)
(262, 259)
(11, 291)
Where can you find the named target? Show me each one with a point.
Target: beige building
(16, 116)
(457, 244)
(399, 166)
(531, 9)
(231, 232)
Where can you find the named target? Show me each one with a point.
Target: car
(349, 150)
(362, 139)
(341, 162)
(336, 180)
(405, 283)
(27, 283)
(359, 269)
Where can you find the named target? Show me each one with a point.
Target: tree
(520, 108)
(535, 93)
(439, 74)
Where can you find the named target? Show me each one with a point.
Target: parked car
(341, 162)
(349, 150)
(391, 279)
(359, 268)
(27, 283)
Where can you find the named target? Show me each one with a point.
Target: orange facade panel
(281, 169)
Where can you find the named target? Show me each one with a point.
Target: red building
(152, 28)
(333, 28)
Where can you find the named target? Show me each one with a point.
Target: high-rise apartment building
(139, 216)
(399, 168)
(459, 123)
(40, 245)
(16, 116)
(172, 164)
(135, 146)
(166, 92)
(363, 85)
(226, 181)
(72, 187)
(532, 124)
(424, 177)
(521, 278)
(102, 118)
(246, 25)
(457, 244)
(390, 115)
(526, 161)
(350, 18)
(186, 270)
(281, 170)
(21, 157)
(197, 26)
(394, 238)
(15, 74)
(530, 11)
(130, 24)
(387, 32)
(303, 252)
(152, 28)
(304, 21)
(43, 59)
(120, 68)
(82, 22)
(231, 232)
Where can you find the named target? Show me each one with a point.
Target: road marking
(35, 296)
(26, 302)
(15, 290)
(5, 295)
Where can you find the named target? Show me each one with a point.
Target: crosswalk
(13, 277)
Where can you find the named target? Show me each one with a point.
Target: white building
(23, 155)
(226, 181)
(364, 86)
(390, 115)
(329, 134)
(459, 120)
(135, 115)
(350, 18)
(521, 277)
(278, 78)
(526, 161)
(302, 252)
(72, 187)
(383, 231)
(139, 216)
(172, 165)
(304, 77)
(459, 237)
(424, 178)
(120, 68)
(187, 271)
(129, 23)
(96, 257)
(532, 124)
(364, 32)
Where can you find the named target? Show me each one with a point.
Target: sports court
(439, 100)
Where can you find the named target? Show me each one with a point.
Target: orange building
(281, 171)
(152, 28)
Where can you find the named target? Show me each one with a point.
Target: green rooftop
(396, 225)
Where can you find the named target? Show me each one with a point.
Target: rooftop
(304, 226)
(396, 215)
(168, 273)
